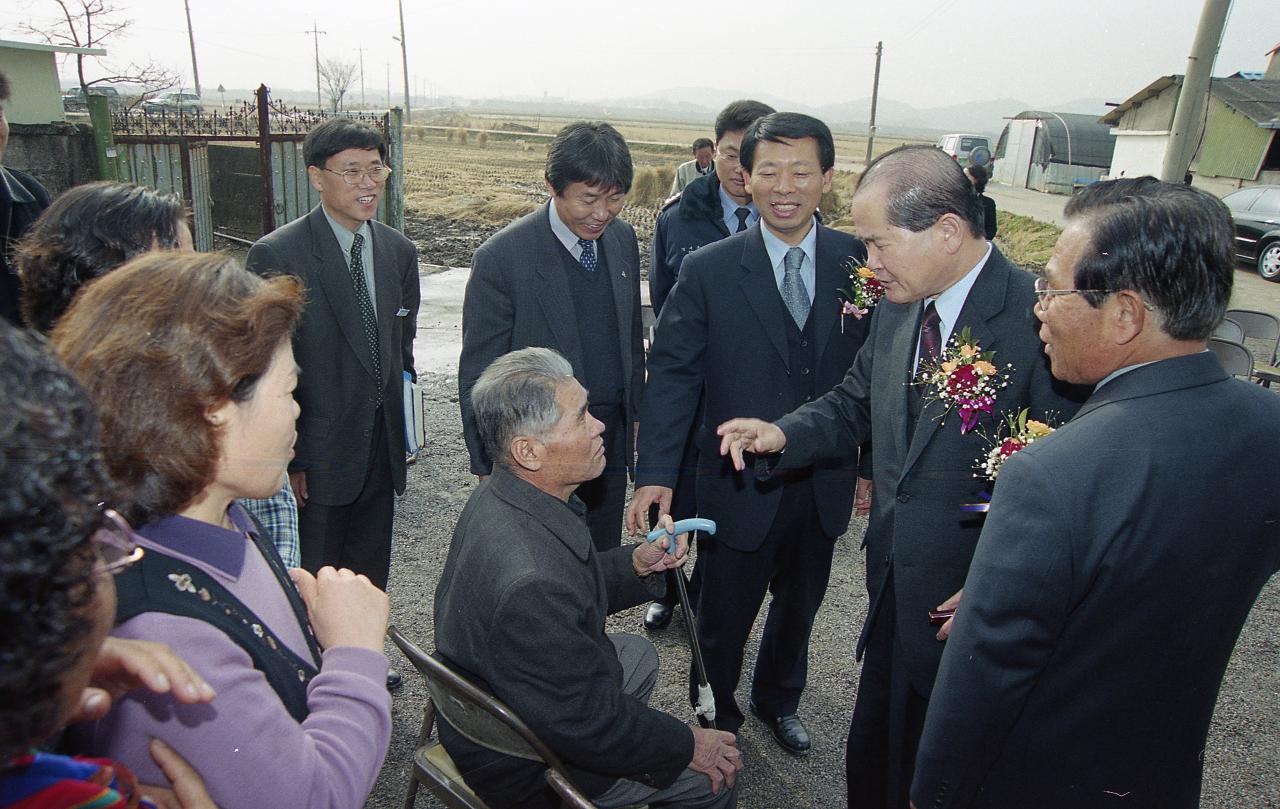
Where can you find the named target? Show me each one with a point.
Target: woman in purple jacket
(189, 362)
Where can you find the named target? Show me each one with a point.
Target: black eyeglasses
(378, 174)
(114, 543)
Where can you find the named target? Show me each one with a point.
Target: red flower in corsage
(1016, 434)
(965, 378)
(863, 293)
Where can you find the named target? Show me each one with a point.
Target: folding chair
(1236, 359)
(1228, 329)
(481, 718)
(1263, 327)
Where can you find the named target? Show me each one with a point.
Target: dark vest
(802, 357)
(159, 583)
(597, 321)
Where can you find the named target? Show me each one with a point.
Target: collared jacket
(695, 219)
(22, 200)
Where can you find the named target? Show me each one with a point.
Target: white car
(174, 102)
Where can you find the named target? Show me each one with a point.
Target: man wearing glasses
(922, 224)
(353, 344)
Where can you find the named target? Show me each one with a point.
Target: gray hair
(516, 395)
(922, 185)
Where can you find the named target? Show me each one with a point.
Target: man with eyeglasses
(923, 227)
(1123, 552)
(354, 343)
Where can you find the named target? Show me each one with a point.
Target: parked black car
(1256, 211)
(73, 99)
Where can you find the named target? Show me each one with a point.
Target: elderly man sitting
(521, 606)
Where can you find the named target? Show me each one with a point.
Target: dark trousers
(357, 535)
(793, 564)
(684, 504)
(888, 720)
(605, 496)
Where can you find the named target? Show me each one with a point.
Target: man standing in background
(690, 170)
(22, 198)
(567, 277)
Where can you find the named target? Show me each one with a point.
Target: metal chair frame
(1263, 327)
(1236, 358)
(483, 719)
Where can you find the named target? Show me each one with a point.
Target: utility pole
(315, 34)
(195, 70)
(361, 76)
(1185, 130)
(875, 97)
(404, 59)
(388, 64)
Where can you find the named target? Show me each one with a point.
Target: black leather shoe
(788, 730)
(394, 680)
(658, 616)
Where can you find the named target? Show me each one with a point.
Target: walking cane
(705, 705)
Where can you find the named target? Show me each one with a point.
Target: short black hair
(5, 88)
(922, 185)
(739, 115)
(87, 232)
(1172, 244)
(590, 152)
(980, 177)
(702, 143)
(792, 125)
(52, 478)
(333, 135)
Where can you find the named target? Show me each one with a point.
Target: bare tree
(90, 24)
(338, 76)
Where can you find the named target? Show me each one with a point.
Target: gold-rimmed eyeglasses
(114, 543)
(1044, 294)
(378, 174)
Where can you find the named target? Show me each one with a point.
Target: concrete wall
(1221, 186)
(36, 94)
(59, 155)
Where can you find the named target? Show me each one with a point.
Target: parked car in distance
(960, 145)
(1256, 211)
(73, 99)
(174, 102)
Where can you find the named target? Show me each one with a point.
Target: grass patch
(1025, 241)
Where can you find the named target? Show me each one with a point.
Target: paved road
(1025, 202)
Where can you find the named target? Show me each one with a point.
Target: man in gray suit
(1124, 551)
(567, 276)
(354, 343)
(922, 225)
(521, 606)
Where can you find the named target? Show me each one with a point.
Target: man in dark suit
(22, 199)
(711, 208)
(567, 276)
(921, 222)
(754, 325)
(354, 343)
(522, 601)
(1124, 551)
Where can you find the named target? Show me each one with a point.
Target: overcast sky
(937, 52)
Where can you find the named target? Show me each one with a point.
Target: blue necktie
(588, 258)
(794, 294)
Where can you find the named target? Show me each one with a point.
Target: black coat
(723, 329)
(334, 389)
(518, 296)
(694, 220)
(22, 200)
(1119, 562)
(520, 608)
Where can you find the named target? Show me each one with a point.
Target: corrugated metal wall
(1237, 146)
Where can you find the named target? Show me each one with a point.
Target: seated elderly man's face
(574, 448)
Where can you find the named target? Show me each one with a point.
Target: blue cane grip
(683, 527)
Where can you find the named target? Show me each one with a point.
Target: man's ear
(1129, 316)
(951, 230)
(313, 176)
(526, 452)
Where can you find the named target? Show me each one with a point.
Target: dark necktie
(742, 214)
(588, 257)
(367, 316)
(930, 334)
(794, 294)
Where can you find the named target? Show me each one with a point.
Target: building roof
(1259, 101)
(46, 48)
(1072, 138)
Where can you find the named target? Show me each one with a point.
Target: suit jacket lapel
(761, 289)
(387, 291)
(335, 280)
(829, 277)
(902, 354)
(553, 289)
(617, 261)
(985, 300)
